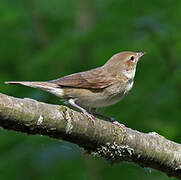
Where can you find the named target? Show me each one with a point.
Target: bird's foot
(119, 124)
(111, 119)
(90, 116)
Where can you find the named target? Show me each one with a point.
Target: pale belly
(109, 96)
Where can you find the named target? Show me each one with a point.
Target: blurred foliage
(44, 40)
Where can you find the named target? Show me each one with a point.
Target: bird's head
(124, 63)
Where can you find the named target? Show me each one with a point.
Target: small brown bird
(99, 87)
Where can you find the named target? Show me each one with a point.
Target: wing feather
(95, 78)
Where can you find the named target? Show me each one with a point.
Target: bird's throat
(129, 73)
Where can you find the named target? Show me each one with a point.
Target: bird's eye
(132, 58)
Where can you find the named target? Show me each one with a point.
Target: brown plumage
(95, 78)
(95, 88)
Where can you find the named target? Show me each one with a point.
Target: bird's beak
(139, 54)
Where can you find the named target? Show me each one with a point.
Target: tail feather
(33, 84)
(25, 83)
(45, 86)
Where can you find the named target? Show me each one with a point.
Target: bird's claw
(111, 119)
(119, 124)
(90, 116)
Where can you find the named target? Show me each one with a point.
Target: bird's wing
(95, 78)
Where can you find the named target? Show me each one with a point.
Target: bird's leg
(111, 119)
(90, 116)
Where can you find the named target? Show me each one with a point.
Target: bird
(95, 88)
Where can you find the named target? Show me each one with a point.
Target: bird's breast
(99, 97)
(129, 85)
(118, 91)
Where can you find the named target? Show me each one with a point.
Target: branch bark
(101, 138)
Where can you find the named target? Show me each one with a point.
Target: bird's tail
(33, 84)
(45, 86)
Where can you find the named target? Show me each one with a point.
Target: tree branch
(101, 138)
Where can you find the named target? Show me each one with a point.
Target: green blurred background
(44, 40)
